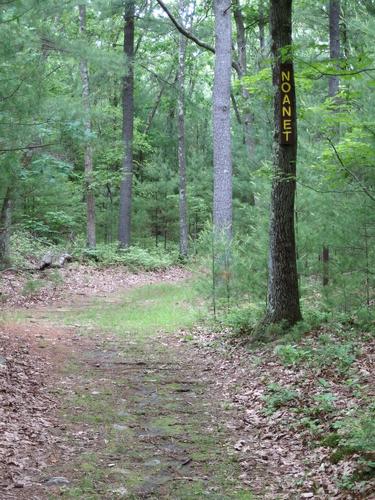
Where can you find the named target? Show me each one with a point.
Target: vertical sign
(287, 104)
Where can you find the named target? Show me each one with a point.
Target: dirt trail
(136, 418)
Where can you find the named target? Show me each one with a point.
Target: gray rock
(152, 463)
(122, 413)
(57, 481)
(120, 492)
(119, 427)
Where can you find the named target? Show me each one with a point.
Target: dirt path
(139, 415)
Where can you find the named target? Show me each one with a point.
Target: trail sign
(287, 104)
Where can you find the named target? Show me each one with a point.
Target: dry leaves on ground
(279, 454)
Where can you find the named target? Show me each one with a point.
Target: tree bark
(128, 122)
(222, 203)
(247, 116)
(181, 140)
(325, 261)
(283, 294)
(88, 158)
(261, 25)
(5, 224)
(334, 43)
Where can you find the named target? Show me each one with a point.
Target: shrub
(291, 355)
(133, 257)
(32, 286)
(26, 249)
(278, 396)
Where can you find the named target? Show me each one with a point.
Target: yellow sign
(287, 103)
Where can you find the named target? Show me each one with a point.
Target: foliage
(135, 258)
(278, 396)
(27, 249)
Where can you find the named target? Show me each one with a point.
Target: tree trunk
(128, 120)
(222, 206)
(334, 43)
(5, 223)
(325, 260)
(261, 25)
(283, 295)
(88, 160)
(247, 116)
(181, 140)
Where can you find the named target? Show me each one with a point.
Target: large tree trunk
(283, 295)
(128, 120)
(5, 223)
(90, 197)
(222, 209)
(334, 43)
(181, 140)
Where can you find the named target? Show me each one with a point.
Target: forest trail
(138, 412)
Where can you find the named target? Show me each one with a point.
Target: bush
(26, 249)
(242, 320)
(278, 396)
(32, 287)
(291, 355)
(358, 432)
(133, 257)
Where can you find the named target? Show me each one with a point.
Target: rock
(123, 413)
(152, 463)
(57, 481)
(51, 260)
(122, 492)
(119, 427)
(3, 362)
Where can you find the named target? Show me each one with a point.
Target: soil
(103, 416)
(93, 414)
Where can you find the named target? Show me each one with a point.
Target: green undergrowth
(134, 258)
(27, 250)
(336, 408)
(329, 355)
(141, 312)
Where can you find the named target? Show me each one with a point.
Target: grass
(142, 312)
(136, 317)
(134, 440)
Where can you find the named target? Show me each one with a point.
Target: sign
(287, 104)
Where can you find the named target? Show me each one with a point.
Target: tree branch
(340, 73)
(190, 35)
(352, 174)
(28, 147)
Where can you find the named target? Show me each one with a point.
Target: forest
(187, 249)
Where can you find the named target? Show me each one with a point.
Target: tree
(222, 154)
(334, 43)
(128, 124)
(5, 224)
(181, 139)
(283, 294)
(247, 116)
(88, 159)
